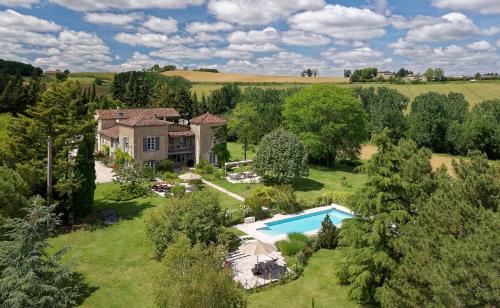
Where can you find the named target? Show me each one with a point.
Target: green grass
(226, 202)
(318, 282)
(116, 260)
(320, 180)
(237, 152)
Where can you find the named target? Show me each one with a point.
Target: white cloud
(161, 25)
(401, 22)
(358, 57)
(379, 6)
(347, 23)
(301, 38)
(155, 40)
(96, 5)
(112, 19)
(77, 50)
(452, 26)
(282, 63)
(18, 3)
(258, 12)
(195, 27)
(265, 47)
(207, 37)
(14, 20)
(481, 6)
(182, 52)
(267, 35)
(137, 62)
(453, 59)
(498, 44)
(481, 46)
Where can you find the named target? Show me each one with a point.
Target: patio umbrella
(189, 176)
(257, 248)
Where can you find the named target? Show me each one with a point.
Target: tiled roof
(207, 118)
(111, 132)
(185, 133)
(111, 114)
(143, 120)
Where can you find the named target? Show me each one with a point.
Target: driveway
(103, 174)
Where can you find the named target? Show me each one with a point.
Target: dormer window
(121, 114)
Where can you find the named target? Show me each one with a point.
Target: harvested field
(196, 76)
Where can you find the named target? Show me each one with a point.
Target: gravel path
(103, 174)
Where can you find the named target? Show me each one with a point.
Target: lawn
(320, 180)
(318, 282)
(237, 153)
(115, 260)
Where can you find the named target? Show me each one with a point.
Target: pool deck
(252, 228)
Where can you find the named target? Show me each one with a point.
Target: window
(150, 143)
(125, 143)
(213, 158)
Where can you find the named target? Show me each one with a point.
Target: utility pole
(49, 169)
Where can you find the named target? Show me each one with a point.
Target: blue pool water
(303, 223)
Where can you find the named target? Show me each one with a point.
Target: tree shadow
(306, 184)
(84, 288)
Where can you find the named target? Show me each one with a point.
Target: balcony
(180, 149)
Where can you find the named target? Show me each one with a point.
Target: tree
(281, 158)
(327, 234)
(222, 100)
(193, 276)
(132, 180)
(329, 120)
(450, 252)
(242, 122)
(431, 117)
(197, 215)
(436, 74)
(481, 130)
(403, 73)
(364, 74)
(29, 276)
(477, 76)
(13, 193)
(83, 198)
(400, 179)
(384, 107)
(347, 73)
(62, 114)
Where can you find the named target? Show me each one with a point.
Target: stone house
(155, 134)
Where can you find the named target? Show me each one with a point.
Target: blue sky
(272, 37)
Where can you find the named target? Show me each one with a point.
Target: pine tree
(83, 198)
(400, 179)
(327, 235)
(29, 276)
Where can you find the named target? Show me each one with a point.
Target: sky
(270, 37)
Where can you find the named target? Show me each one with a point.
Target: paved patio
(103, 174)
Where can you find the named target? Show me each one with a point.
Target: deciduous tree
(329, 120)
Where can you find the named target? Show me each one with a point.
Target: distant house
(414, 77)
(385, 74)
(152, 135)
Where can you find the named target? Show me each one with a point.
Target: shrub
(290, 248)
(120, 194)
(284, 199)
(233, 217)
(149, 173)
(281, 158)
(327, 235)
(165, 166)
(178, 191)
(258, 199)
(329, 198)
(298, 237)
(168, 176)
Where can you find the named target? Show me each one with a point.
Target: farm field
(473, 92)
(196, 76)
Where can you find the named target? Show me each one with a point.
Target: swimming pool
(303, 223)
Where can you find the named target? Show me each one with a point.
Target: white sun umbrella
(257, 248)
(189, 176)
